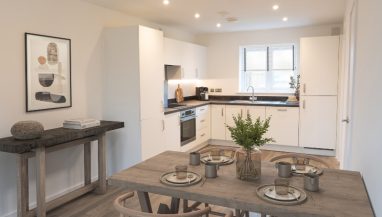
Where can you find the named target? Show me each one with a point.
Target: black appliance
(202, 93)
(187, 126)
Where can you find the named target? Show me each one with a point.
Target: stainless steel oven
(187, 126)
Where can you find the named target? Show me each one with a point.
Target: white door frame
(345, 148)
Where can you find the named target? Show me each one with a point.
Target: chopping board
(179, 94)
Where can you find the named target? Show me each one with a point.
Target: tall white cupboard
(319, 70)
(133, 87)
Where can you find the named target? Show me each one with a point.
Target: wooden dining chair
(119, 205)
(301, 159)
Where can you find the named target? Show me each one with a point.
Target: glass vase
(248, 164)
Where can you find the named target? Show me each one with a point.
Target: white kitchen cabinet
(218, 122)
(255, 112)
(232, 110)
(153, 141)
(318, 122)
(202, 124)
(191, 57)
(173, 52)
(171, 130)
(134, 91)
(283, 125)
(319, 65)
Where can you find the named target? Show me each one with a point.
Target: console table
(53, 140)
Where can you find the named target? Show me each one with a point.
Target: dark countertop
(56, 136)
(196, 103)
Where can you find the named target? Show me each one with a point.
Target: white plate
(221, 160)
(308, 169)
(171, 177)
(293, 194)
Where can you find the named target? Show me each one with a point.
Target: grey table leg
(87, 163)
(40, 181)
(22, 186)
(101, 165)
(144, 200)
(175, 205)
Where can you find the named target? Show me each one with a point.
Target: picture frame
(48, 75)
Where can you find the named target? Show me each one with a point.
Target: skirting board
(322, 152)
(51, 197)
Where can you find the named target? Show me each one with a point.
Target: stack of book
(81, 123)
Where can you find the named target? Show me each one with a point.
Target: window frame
(269, 69)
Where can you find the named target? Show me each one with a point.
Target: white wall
(83, 24)
(223, 51)
(367, 119)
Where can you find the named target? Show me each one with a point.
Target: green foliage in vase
(248, 133)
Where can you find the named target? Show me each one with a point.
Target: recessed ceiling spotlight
(285, 19)
(275, 7)
(218, 25)
(197, 15)
(166, 2)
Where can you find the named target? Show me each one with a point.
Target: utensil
(282, 186)
(284, 169)
(181, 171)
(311, 182)
(194, 158)
(211, 170)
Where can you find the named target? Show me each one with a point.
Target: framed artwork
(48, 72)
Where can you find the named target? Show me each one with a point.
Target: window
(267, 68)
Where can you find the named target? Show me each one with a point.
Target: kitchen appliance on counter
(202, 93)
(187, 126)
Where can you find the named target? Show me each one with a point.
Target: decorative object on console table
(81, 123)
(249, 135)
(179, 94)
(48, 72)
(295, 84)
(24, 130)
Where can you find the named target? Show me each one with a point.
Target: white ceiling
(251, 14)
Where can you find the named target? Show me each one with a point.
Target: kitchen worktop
(196, 103)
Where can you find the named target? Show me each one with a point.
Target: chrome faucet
(253, 98)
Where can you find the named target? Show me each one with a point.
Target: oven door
(187, 130)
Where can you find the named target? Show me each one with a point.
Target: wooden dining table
(342, 193)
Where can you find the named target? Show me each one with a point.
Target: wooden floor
(92, 205)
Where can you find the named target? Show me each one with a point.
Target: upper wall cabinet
(319, 65)
(191, 58)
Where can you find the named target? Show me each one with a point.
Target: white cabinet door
(172, 132)
(233, 110)
(173, 52)
(283, 125)
(218, 122)
(255, 112)
(318, 122)
(151, 75)
(152, 137)
(200, 56)
(319, 65)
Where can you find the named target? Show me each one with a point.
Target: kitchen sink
(259, 102)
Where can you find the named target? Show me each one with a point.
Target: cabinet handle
(201, 110)
(304, 87)
(222, 112)
(202, 121)
(203, 134)
(241, 112)
(163, 125)
(247, 112)
(303, 104)
(282, 110)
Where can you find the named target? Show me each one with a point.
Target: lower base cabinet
(283, 125)
(218, 122)
(318, 122)
(171, 129)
